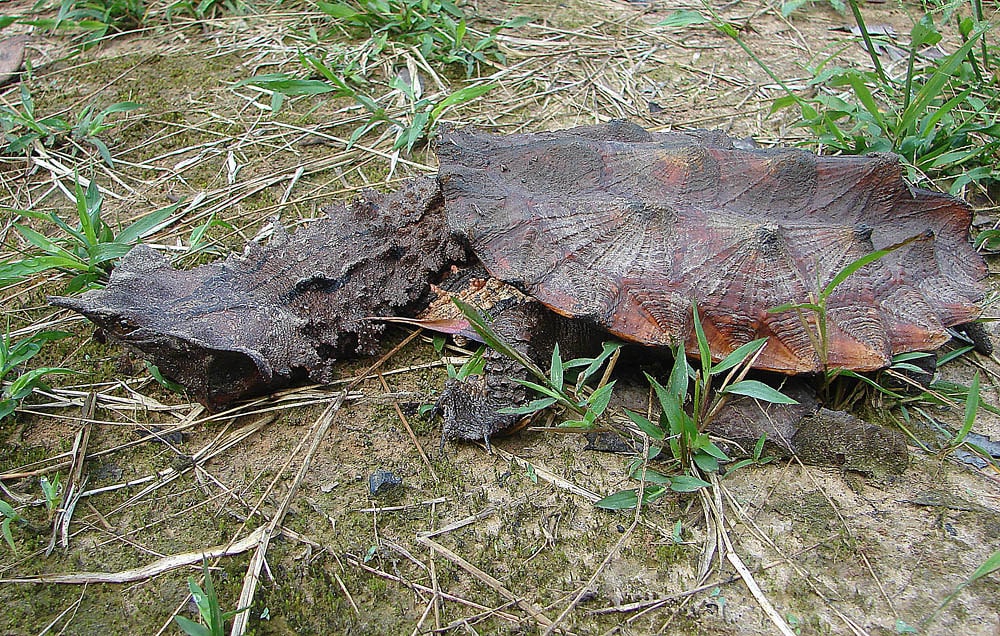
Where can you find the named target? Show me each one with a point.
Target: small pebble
(382, 481)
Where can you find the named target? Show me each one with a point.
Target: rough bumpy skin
(628, 228)
(814, 434)
(285, 311)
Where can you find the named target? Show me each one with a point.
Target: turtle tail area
(976, 332)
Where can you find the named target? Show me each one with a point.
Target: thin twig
(532, 609)
(409, 429)
(147, 571)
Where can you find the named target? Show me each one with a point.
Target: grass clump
(205, 9)
(10, 516)
(87, 251)
(438, 29)
(939, 115)
(414, 125)
(433, 31)
(411, 118)
(552, 386)
(212, 617)
(421, 114)
(22, 127)
(688, 401)
(91, 20)
(19, 385)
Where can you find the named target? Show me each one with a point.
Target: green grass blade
(25, 383)
(88, 208)
(77, 233)
(556, 368)
(17, 354)
(146, 225)
(164, 382)
(104, 252)
(621, 500)
(662, 394)
(759, 390)
(461, 96)
(798, 306)
(683, 18)
(922, 34)
(609, 348)
(531, 407)
(945, 68)
(650, 475)
(491, 338)
(474, 365)
(190, 627)
(598, 401)
(534, 386)
(121, 107)
(869, 47)
(680, 375)
(25, 268)
(287, 84)
(337, 10)
(943, 110)
(992, 564)
(857, 264)
(416, 131)
(687, 483)
(703, 348)
(866, 98)
(7, 536)
(911, 355)
(625, 499)
(41, 241)
(951, 355)
(645, 425)
(7, 510)
(971, 409)
(738, 356)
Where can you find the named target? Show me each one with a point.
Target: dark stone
(382, 481)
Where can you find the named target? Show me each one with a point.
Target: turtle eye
(125, 326)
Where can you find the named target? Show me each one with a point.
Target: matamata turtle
(620, 227)
(627, 228)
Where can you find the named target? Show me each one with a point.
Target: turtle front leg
(471, 408)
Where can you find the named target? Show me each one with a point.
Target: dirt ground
(473, 541)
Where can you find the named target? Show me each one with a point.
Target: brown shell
(629, 229)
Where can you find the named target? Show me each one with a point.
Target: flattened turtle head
(123, 308)
(148, 305)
